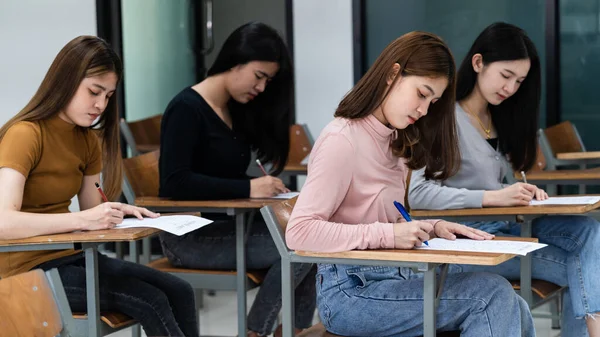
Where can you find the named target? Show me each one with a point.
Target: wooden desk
(238, 208)
(578, 155)
(508, 214)
(425, 261)
(424, 255)
(295, 169)
(88, 241)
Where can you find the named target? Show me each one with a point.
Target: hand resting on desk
(266, 187)
(518, 194)
(109, 214)
(408, 235)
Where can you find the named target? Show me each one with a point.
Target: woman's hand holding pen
(408, 235)
(109, 214)
(518, 194)
(449, 230)
(266, 187)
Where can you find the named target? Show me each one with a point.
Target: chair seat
(113, 319)
(318, 330)
(257, 276)
(541, 288)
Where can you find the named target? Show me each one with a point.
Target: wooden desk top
(425, 256)
(579, 155)
(107, 235)
(236, 203)
(584, 174)
(518, 210)
(295, 168)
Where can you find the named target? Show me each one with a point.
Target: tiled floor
(218, 317)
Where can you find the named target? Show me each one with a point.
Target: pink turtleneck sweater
(347, 200)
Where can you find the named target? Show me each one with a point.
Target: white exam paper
(483, 246)
(174, 224)
(566, 201)
(288, 195)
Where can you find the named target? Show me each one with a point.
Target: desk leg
(241, 273)
(92, 287)
(526, 266)
(287, 297)
(134, 256)
(136, 330)
(429, 310)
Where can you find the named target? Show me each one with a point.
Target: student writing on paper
(498, 95)
(207, 133)
(49, 154)
(400, 115)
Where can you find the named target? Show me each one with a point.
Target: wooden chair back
(146, 131)
(563, 137)
(28, 307)
(300, 143)
(142, 174)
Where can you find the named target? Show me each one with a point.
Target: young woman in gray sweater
(498, 95)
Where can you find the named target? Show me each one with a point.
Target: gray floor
(218, 317)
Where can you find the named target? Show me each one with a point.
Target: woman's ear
(393, 73)
(477, 62)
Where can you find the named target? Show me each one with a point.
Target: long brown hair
(432, 141)
(82, 57)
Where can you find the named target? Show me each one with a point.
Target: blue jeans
(162, 303)
(388, 301)
(214, 247)
(571, 259)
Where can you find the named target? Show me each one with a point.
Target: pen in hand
(261, 167)
(101, 192)
(405, 215)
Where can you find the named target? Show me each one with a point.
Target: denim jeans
(570, 259)
(214, 247)
(387, 301)
(163, 304)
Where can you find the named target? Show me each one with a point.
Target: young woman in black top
(208, 132)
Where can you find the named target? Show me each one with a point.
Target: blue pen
(405, 214)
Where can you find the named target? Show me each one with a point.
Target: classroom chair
(544, 291)
(277, 216)
(545, 171)
(143, 135)
(35, 304)
(142, 179)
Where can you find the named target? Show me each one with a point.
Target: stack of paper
(484, 246)
(288, 195)
(174, 224)
(585, 200)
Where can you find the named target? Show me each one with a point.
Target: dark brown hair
(82, 57)
(432, 141)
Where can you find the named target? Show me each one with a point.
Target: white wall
(31, 34)
(323, 59)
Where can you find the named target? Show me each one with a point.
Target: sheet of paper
(566, 201)
(174, 224)
(286, 195)
(484, 246)
(305, 160)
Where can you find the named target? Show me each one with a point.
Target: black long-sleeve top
(201, 158)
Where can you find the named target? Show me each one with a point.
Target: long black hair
(515, 119)
(264, 121)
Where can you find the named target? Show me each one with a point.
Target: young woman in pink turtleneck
(399, 116)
